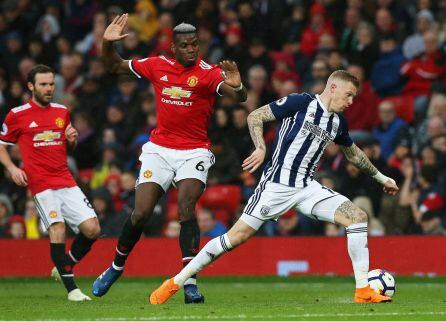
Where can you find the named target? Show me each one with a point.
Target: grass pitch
(253, 298)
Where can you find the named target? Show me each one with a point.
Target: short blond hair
(344, 76)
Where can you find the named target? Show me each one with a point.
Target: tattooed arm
(255, 124)
(358, 158)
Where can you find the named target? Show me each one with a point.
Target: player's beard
(41, 99)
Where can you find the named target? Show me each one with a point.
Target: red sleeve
(142, 67)
(10, 130)
(215, 79)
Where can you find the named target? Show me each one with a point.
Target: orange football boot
(164, 292)
(368, 295)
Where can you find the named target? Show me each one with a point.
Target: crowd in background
(396, 48)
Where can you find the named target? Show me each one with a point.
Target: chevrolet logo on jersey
(176, 92)
(47, 136)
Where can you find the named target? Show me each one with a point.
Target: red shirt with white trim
(184, 100)
(40, 134)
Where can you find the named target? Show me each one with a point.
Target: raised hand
(230, 73)
(114, 29)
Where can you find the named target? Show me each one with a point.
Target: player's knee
(57, 232)
(140, 217)
(360, 216)
(93, 231)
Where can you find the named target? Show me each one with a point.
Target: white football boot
(77, 295)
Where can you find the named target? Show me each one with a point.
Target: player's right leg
(146, 198)
(238, 234)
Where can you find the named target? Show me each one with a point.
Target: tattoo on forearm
(255, 124)
(357, 157)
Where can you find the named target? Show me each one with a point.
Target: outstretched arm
(255, 124)
(232, 85)
(113, 62)
(357, 157)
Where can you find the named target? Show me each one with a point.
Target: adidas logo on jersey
(33, 124)
(164, 78)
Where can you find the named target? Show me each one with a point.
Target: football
(382, 282)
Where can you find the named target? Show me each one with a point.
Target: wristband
(239, 88)
(380, 178)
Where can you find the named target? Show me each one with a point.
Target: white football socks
(359, 252)
(211, 251)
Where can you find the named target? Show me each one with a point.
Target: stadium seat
(223, 200)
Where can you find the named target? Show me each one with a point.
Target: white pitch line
(247, 316)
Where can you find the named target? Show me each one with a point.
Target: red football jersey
(184, 100)
(40, 134)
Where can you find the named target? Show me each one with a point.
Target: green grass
(271, 298)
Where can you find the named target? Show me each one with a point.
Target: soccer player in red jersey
(178, 151)
(43, 131)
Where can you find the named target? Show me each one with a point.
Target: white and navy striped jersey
(306, 130)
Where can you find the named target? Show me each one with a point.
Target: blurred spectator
(16, 227)
(210, 46)
(426, 200)
(239, 135)
(366, 51)
(413, 45)
(13, 53)
(385, 77)
(145, 20)
(85, 152)
(348, 40)
(422, 71)
(102, 203)
(388, 129)
(209, 225)
(402, 150)
(172, 229)
(32, 221)
(69, 80)
(258, 85)
(6, 211)
(319, 25)
(362, 115)
(227, 168)
(91, 44)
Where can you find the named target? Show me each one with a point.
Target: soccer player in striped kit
(309, 124)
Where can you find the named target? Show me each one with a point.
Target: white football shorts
(270, 200)
(68, 205)
(163, 165)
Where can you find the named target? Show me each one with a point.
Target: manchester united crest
(53, 214)
(192, 81)
(60, 122)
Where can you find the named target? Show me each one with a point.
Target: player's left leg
(189, 191)
(327, 205)
(355, 221)
(89, 233)
(237, 235)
